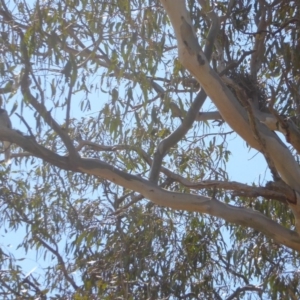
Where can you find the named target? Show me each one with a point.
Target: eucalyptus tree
(123, 112)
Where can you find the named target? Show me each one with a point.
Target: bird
(176, 111)
(5, 121)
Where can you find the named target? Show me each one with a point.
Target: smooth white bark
(193, 58)
(237, 215)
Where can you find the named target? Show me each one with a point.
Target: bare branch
(231, 110)
(40, 108)
(276, 191)
(282, 194)
(259, 46)
(189, 202)
(244, 289)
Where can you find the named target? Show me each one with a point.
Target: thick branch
(159, 196)
(188, 202)
(273, 191)
(231, 110)
(29, 144)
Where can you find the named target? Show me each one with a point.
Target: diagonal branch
(170, 141)
(181, 201)
(39, 107)
(273, 190)
(239, 290)
(193, 58)
(25, 88)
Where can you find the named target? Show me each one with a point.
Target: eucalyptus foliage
(102, 80)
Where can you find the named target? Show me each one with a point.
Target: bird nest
(244, 86)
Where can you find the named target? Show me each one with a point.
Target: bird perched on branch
(176, 111)
(5, 121)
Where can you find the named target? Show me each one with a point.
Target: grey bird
(5, 121)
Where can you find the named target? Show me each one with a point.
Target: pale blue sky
(244, 166)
